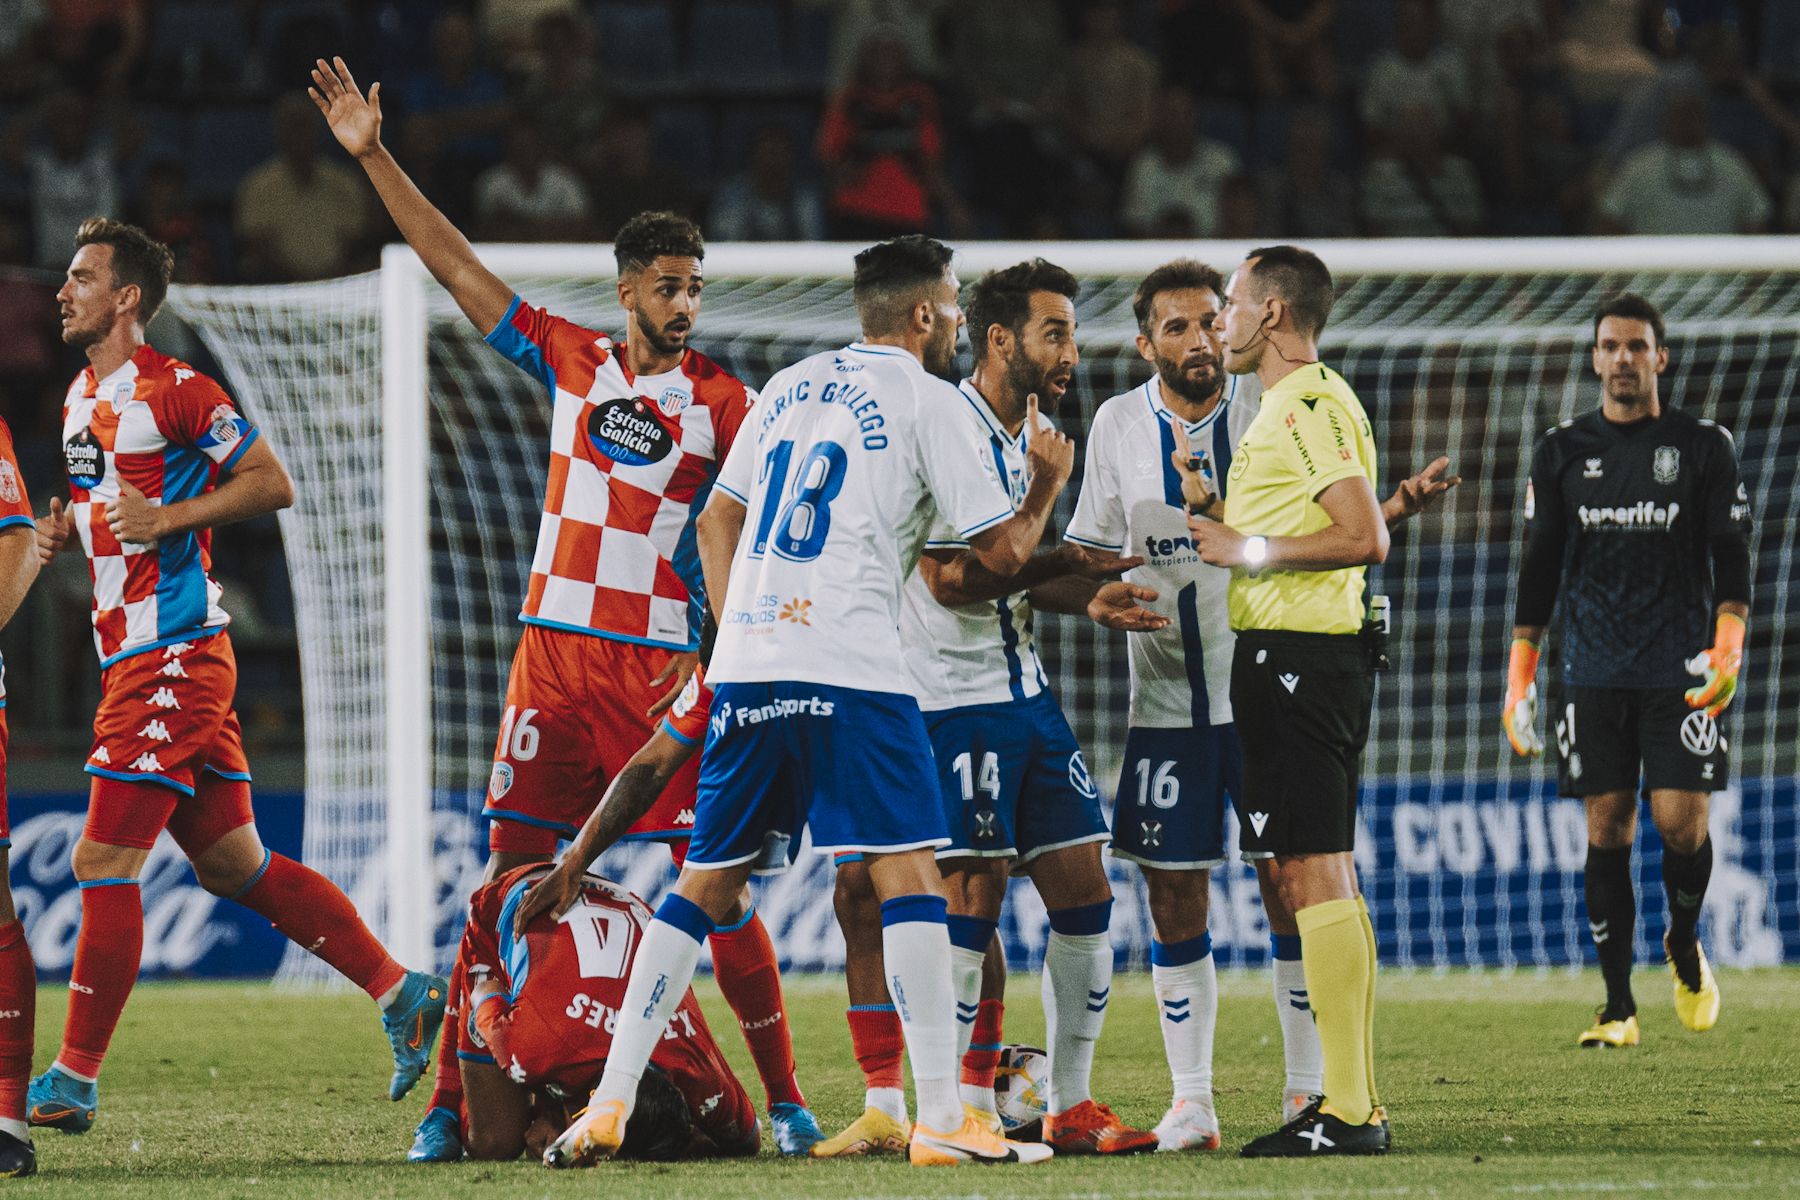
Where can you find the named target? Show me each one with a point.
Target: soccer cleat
(987, 1117)
(1188, 1125)
(411, 1023)
(973, 1143)
(796, 1130)
(1316, 1133)
(60, 1101)
(1380, 1117)
(1294, 1102)
(1092, 1128)
(437, 1139)
(1698, 1007)
(18, 1158)
(1614, 1034)
(875, 1132)
(597, 1132)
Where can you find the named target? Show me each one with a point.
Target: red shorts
(574, 716)
(166, 719)
(5, 821)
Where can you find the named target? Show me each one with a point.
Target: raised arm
(446, 253)
(1004, 549)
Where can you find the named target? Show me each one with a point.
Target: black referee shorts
(1301, 702)
(1607, 739)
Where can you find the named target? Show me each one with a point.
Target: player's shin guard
(1338, 967)
(18, 1024)
(982, 1058)
(313, 913)
(1078, 966)
(915, 945)
(1187, 1002)
(1299, 1035)
(969, 937)
(107, 952)
(1612, 919)
(879, 1043)
(749, 976)
(659, 979)
(1685, 877)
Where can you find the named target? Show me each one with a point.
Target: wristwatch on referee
(1256, 552)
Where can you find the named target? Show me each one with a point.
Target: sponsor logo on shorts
(501, 781)
(984, 824)
(1079, 778)
(163, 698)
(775, 710)
(182, 375)
(147, 762)
(174, 670)
(1700, 734)
(1575, 765)
(685, 818)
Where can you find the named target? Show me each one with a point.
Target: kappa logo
(1079, 777)
(710, 1103)
(100, 755)
(147, 762)
(156, 731)
(1592, 470)
(182, 375)
(163, 698)
(501, 780)
(174, 670)
(1258, 821)
(177, 649)
(1665, 464)
(1700, 734)
(1289, 680)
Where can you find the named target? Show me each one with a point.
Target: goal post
(384, 402)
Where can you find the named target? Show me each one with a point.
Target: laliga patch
(224, 425)
(9, 483)
(501, 781)
(628, 432)
(85, 461)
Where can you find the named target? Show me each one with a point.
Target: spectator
(1310, 197)
(768, 202)
(1111, 89)
(1010, 59)
(96, 43)
(1288, 46)
(21, 47)
(1550, 181)
(297, 216)
(1242, 214)
(454, 113)
(882, 143)
(1600, 50)
(914, 22)
(510, 27)
(71, 163)
(1416, 189)
(1419, 69)
(628, 178)
(168, 213)
(1686, 182)
(28, 331)
(527, 198)
(564, 94)
(1475, 32)
(1173, 183)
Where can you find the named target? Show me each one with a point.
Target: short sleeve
(537, 342)
(15, 505)
(195, 411)
(958, 467)
(686, 722)
(737, 475)
(728, 418)
(1320, 445)
(1099, 519)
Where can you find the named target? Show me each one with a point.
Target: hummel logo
(156, 731)
(1297, 1000)
(174, 670)
(1593, 469)
(1176, 1011)
(146, 762)
(1257, 821)
(656, 995)
(1289, 681)
(163, 698)
(1599, 930)
(100, 755)
(1688, 899)
(1316, 1135)
(1097, 1000)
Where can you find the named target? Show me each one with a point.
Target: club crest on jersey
(9, 483)
(1666, 464)
(85, 461)
(674, 401)
(627, 432)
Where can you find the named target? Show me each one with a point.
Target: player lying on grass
(544, 990)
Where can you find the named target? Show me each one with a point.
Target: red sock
(446, 1085)
(18, 1019)
(876, 1037)
(315, 914)
(106, 965)
(745, 965)
(983, 1054)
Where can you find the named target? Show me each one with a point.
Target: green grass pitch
(234, 1090)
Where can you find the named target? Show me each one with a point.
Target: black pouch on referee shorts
(1375, 634)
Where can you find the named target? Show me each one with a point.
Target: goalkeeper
(1638, 520)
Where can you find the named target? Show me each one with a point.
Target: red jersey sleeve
(15, 505)
(686, 722)
(193, 410)
(543, 345)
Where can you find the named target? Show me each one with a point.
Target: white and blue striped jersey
(848, 460)
(973, 653)
(1131, 504)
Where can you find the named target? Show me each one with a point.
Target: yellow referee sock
(1339, 974)
(1368, 928)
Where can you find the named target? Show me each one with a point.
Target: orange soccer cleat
(1092, 1128)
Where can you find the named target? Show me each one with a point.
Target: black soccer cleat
(18, 1157)
(1316, 1133)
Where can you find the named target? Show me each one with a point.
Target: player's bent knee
(101, 860)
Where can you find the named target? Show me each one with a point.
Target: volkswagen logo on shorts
(1079, 777)
(1700, 734)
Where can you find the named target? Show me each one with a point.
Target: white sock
(918, 968)
(1300, 1047)
(1187, 1004)
(64, 1067)
(976, 1096)
(965, 984)
(659, 979)
(387, 998)
(1077, 984)
(891, 1101)
(18, 1129)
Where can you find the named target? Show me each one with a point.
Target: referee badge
(1666, 465)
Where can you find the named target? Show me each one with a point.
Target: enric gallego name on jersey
(857, 400)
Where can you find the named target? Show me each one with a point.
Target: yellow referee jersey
(1310, 432)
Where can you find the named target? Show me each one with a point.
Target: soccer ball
(1022, 1090)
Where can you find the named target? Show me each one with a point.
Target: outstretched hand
(354, 121)
(1419, 492)
(1117, 606)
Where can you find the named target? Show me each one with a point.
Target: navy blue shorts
(1172, 796)
(1013, 781)
(850, 764)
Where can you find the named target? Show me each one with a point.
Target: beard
(1195, 390)
(1024, 378)
(940, 352)
(80, 338)
(666, 340)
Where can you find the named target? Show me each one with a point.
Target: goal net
(421, 455)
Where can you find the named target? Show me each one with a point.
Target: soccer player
(820, 513)
(611, 612)
(1016, 793)
(1152, 451)
(1639, 523)
(18, 980)
(156, 456)
(544, 992)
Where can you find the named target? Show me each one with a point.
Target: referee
(1301, 525)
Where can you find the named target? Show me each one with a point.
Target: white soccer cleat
(596, 1133)
(1188, 1125)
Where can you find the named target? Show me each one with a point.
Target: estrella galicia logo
(1079, 777)
(85, 460)
(628, 432)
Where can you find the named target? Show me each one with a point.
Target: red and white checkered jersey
(169, 431)
(632, 459)
(15, 510)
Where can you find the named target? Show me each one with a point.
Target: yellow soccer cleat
(596, 1133)
(875, 1132)
(989, 1119)
(1699, 1011)
(1613, 1034)
(973, 1143)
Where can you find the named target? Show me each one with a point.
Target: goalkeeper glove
(1520, 717)
(1718, 666)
